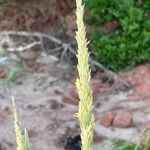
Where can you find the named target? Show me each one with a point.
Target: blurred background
(38, 67)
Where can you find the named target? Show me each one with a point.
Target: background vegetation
(128, 40)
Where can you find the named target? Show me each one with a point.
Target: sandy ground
(41, 111)
(49, 120)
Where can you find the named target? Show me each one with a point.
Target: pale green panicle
(22, 139)
(85, 116)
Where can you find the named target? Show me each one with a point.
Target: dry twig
(62, 46)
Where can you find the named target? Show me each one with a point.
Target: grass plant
(22, 138)
(84, 115)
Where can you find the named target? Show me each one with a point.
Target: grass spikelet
(22, 139)
(85, 116)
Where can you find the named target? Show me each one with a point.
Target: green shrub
(129, 44)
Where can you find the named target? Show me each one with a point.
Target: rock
(139, 78)
(107, 119)
(122, 119)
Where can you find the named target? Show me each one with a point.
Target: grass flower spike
(22, 139)
(85, 116)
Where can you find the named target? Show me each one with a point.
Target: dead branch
(32, 34)
(63, 46)
(23, 48)
(101, 66)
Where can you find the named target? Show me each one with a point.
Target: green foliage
(22, 138)
(14, 69)
(116, 144)
(13, 72)
(119, 144)
(85, 116)
(146, 136)
(128, 146)
(130, 43)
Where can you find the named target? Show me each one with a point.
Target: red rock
(139, 79)
(142, 69)
(122, 119)
(107, 119)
